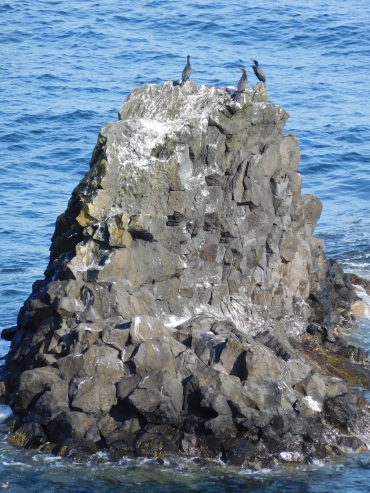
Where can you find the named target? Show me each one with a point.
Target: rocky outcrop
(183, 276)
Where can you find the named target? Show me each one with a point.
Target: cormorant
(258, 71)
(186, 72)
(242, 84)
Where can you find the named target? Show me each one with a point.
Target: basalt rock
(182, 278)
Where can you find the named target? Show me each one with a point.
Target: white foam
(291, 456)
(365, 298)
(5, 412)
(17, 464)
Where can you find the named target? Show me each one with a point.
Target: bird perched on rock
(242, 84)
(186, 72)
(258, 71)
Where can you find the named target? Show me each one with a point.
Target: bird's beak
(240, 69)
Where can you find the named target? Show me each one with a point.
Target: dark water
(28, 473)
(65, 69)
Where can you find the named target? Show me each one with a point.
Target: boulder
(127, 385)
(92, 397)
(98, 361)
(32, 383)
(145, 327)
(28, 435)
(69, 424)
(157, 441)
(153, 354)
(68, 306)
(51, 403)
(8, 333)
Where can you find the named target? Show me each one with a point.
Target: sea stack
(187, 308)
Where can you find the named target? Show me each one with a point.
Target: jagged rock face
(193, 200)
(184, 262)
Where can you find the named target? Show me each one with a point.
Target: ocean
(66, 68)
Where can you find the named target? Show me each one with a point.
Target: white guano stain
(312, 404)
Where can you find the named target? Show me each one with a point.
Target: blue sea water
(65, 69)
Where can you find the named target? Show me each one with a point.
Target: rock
(214, 401)
(87, 335)
(238, 452)
(28, 435)
(157, 441)
(313, 385)
(3, 392)
(68, 306)
(158, 397)
(9, 333)
(279, 348)
(153, 354)
(308, 407)
(187, 307)
(69, 424)
(146, 401)
(108, 423)
(115, 337)
(50, 404)
(262, 364)
(121, 441)
(165, 382)
(298, 370)
(145, 327)
(341, 411)
(221, 426)
(132, 423)
(359, 281)
(350, 442)
(79, 451)
(98, 361)
(126, 385)
(335, 387)
(91, 397)
(32, 384)
(62, 288)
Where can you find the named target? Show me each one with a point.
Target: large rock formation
(172, 317)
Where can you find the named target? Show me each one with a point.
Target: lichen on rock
(182, 278)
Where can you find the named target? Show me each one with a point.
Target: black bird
(242, 84)
(258, 71)
(186, 72)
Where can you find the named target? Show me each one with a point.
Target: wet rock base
(211, 392)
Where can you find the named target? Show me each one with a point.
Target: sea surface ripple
(65, 70)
